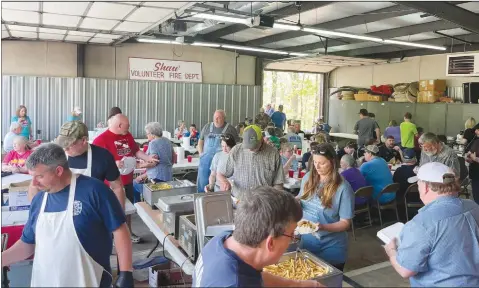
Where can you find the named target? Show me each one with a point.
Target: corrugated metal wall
(50, 100)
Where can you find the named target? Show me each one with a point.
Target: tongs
(298, 251)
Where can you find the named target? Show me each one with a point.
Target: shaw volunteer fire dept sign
(164, 70)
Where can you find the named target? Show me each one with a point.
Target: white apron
(87, 171)
(60, 259)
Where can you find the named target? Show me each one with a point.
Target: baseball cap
(433, 172)
(373, 149)
(363, 112)
(77, 110)
(409, 155)
(70, 132)
(251, 137)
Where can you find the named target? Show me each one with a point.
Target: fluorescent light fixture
(205, 44)
(254, 49)
(415, 45)
(341, 34)
(156, 41)
(298, 54)
(222, 18)
(286, 27)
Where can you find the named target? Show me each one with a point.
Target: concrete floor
(365, 251)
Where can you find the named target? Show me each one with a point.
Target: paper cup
(190, 158)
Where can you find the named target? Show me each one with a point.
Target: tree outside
(298, 92)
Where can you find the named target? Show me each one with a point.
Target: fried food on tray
(160, 186)
(299, 269)
(306, 227)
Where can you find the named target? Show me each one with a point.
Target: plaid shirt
(249, 170)
(447, 156)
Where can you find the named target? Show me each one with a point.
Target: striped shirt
(249, 170)
(447, 156)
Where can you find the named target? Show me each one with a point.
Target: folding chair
(391, 188)
(365, 192)
(412, 189)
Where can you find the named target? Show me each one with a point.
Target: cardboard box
(432, 85)
(18, 196)
(168, 274)
(429, 96)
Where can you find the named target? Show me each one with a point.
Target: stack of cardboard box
(431, 90)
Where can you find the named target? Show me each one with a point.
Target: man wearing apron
(210, 143)
(70, 227)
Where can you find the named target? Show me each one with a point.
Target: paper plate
(305, 228)
(129, 164)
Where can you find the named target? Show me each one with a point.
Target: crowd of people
(251, 161)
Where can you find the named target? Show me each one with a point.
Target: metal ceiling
(84, 22)
(112, 23)
(415, 22)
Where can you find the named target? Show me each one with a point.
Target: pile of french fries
(296, 269)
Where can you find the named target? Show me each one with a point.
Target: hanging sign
(164, 70)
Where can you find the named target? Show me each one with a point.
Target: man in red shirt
(118, 140)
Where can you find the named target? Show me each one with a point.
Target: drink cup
(190, 158)
(299, 151)
(291, 173)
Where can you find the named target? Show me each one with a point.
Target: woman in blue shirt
(327, 200)
(24, 121)
(76, 115)
(162, 148)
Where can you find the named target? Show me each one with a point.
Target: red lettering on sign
(162, 67)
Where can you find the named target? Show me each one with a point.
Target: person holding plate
(328, 201)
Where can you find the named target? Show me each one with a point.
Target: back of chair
(413, 188)
(366, 191)
(391, 188)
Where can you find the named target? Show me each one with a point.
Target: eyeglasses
(318, 150)
(294, 238)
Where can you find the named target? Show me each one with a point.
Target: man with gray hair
(439, 247)
(433, 150)
(210, 143)
(15, 130)
(70, 227)
(264, 228)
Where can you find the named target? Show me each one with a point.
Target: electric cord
(181, 266)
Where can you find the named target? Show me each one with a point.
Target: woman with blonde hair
(22, 118)
(469, 134)
(15, 160)
(327, 201)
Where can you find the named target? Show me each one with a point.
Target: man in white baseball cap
(439, 246)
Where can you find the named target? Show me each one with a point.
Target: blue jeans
(138, 190)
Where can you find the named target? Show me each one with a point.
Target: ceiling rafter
(372, 16)
(448, 12)
(67, 28)
(445, 41)
(284, 12)
(385, 34)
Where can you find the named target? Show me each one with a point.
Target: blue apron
(211, 147)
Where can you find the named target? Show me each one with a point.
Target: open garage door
(320, 63)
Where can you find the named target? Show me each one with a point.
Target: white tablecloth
(344, 135)
(195, 162)
(15, 178)
(292, 183)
